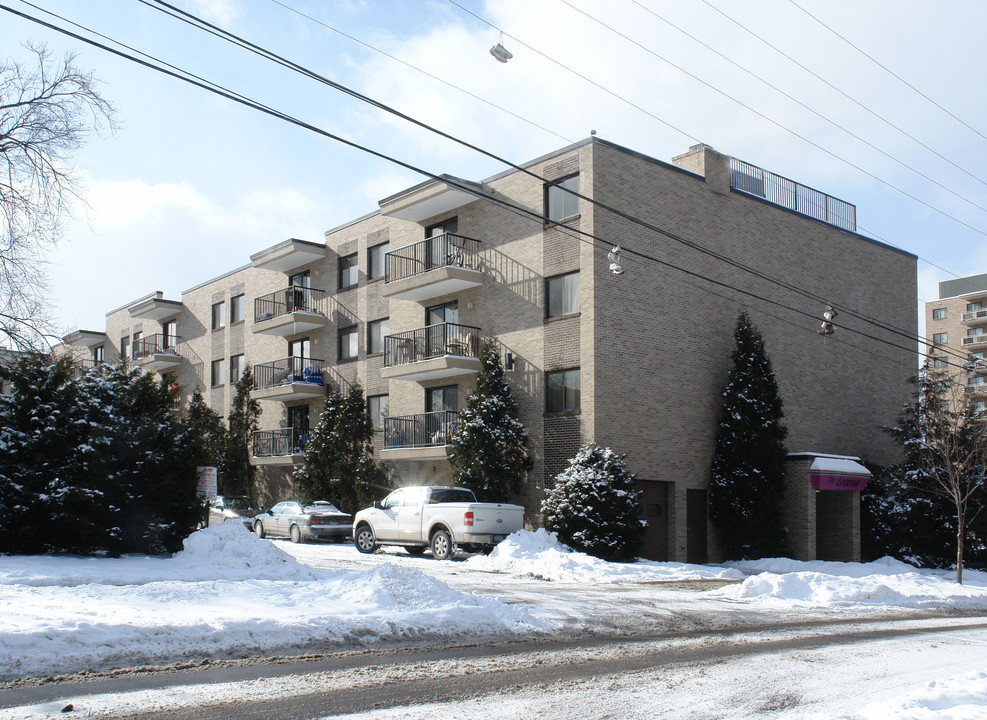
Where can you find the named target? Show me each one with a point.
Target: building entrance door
(654, 503)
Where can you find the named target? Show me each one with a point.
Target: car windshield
(321, 506)
(450, 495)
(241, 503)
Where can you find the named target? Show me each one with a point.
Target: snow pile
(879, 584)
(539, 554)
(227, 593)
(959, 697)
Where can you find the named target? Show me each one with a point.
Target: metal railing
(431, 429)
(287, 371)
(974, 340)
(275, 443)
(804, 200)
(434, 252)
(157, 344)
(973, 316)
(291, 299)
(430, 342)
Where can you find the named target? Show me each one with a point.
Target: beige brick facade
(956, 325)
(652, 346)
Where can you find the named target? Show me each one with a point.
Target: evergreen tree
(339, 455)
(942, 479)
(748, 473)
(594, 507)
(209, 428)
(490, 456)
(235, 473)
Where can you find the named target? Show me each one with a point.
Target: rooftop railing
(434, 252)
(753, 180)
(431, 342)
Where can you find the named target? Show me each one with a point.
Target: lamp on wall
(508, 361)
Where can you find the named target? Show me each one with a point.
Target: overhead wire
(220, 90)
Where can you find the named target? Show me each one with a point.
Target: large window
(940, 314)
(124, 347)
(560, 203)
(237, 366)
(237, 309)
(377, 408)
(563, 294)
(218, 315)
(169, 334)
(376, 261)
(562, 390)
(349, 348)
(349, 271)
(98, 355)
(376, 331)
(940, 338)
(218, 375)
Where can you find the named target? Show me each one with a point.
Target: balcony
(157, 352)
(284, 446)
(437, 266)
(977, 317)
(427, 436)
(972, 341)
(289, 379)
(978, 390)
(431, 353)
(290, 311)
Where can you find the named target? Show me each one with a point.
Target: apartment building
(399, 300)
(956, 325)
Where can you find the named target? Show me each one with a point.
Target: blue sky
(192, 184)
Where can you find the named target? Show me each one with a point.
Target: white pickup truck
(438, 517)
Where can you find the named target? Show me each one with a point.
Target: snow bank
(879, 584)
(539, 554)
(959, 697)
(227, 592)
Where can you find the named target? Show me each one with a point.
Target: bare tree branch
(47, 112)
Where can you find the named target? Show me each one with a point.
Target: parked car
(233, 507)
(437, 517)
(300, 522)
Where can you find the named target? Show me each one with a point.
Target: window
(349, 348)
(442, 398)
(237, 367)
(377, 408)
(124, 347)
(973, 332)
(376, 261)
(98, 356)
(940, 338)
(169, 335)
(349, 271)
(974, 357)
(300, 348)
(376, 331)
(940, 362)
(980, 406)
(137, 344)
(562, 391)
(445, 313)
(563, 294)
(974, 306)
(238, 307)
(939, 314)
(560, 203)
(218, 372)
(219, 315)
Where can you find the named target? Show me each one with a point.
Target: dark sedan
(300, 522)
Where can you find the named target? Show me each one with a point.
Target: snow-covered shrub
(594, 507)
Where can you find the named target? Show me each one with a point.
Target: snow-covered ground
(231, 594)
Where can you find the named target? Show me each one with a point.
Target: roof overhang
(430, 199)
(155, 309)
(289, 255)
(838, 473)
(84, 338)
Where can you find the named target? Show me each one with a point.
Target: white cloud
(221, 12)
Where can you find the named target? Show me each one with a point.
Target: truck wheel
(365, 540)
(296, 534)
(443, 548)
(415, 549)
(259, 529)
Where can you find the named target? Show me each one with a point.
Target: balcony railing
(276, 443)
(431, 342)
(157, 344)
(804, 200)
(291, 299)
(434, 252)
(287, 371)
(974, 340)
(975, 316)
(431, 429)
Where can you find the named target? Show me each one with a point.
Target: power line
(539, 217)
(889, 71)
